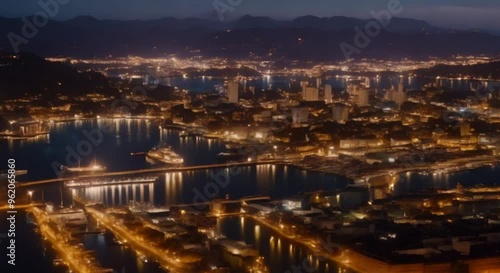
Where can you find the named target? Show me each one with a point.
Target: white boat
(165, 154)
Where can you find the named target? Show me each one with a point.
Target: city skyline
(250, 136)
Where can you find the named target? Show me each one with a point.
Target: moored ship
(164, 154)
(93, 168)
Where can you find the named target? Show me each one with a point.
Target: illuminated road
(317, 246)
(24, 206)
(76, 258)
(452, 165)
(153, 170)
(138, 244)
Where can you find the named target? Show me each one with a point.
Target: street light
(10, 124)
(30, 194)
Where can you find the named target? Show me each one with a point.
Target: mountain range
(304, 38)
(28, 74)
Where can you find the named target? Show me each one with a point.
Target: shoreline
(358, 177)
(316, 246)
(494, 161)
(430, 169)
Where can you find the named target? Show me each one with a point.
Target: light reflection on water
(118, 257)
(118, 195)
(37, 154)
(280, 254)
(183, 188)
(120, 137)
(202, 84)
(200, 186)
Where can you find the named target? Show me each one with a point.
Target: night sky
(483, 14)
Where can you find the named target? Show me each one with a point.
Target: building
(233, 91)
(340, 112)
(319, 82)
(360, 143)
(401, 95)
(465, 129)
(300, 202)
(363, 263)
(328, 93)
(304, 85)
(401, 86)
(300, 115)
(252, 90)
(488, 140)
(311, 94)
(465, 143)
(367, 82)
(353, 89)
(363, 97)
(400, 140)
(398, 96)
(353, 197)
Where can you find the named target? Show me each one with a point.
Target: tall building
(401, 86)
(233, 91)
(363, 97)
(367, 82)
(304, 85)
(328, 93)
(398, 96)
(402, 98)
(340, 112)
(311, 94)
(319, 82)
(300, 115)
(390, 93)
(353, 89)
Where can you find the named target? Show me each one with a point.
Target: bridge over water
(149, 171)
